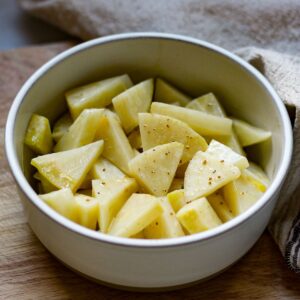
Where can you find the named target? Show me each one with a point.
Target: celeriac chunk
(259, 176)
(112, 195)
(68, 169)
(138, 212)
(116, 145)
(165, 92)
(97, 94)
(249, 134)
(203, 123)
(63, 202)
(38, 135)
(221, 151)
(133, 101)
(158, 129)
(103, 169)
(241, 194)
(219, 205)
(88, 209)
(198, 216)
(155, 168)
(206, 173)
(207, 103)
(177, 199)
(166, 225)
(82, 131)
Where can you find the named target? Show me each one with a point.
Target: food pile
(145, 160)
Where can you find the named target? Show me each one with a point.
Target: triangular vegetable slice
(88, 208)
(158, 129)
(116, 145)
(97, 94)
(206, 174)
(112, 195)
(241, 194)
(221, 151)
(133, 101)
(137, 213)
(155, 168)
(103, 169)
(38, 135)
(166, 225)
(249, 134)
(82, 131)
(203, 123)
(165, 92)
(198, 216)
(219, 205)
(68, 169)
(63, 202)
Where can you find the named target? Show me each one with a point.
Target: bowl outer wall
(41, 212)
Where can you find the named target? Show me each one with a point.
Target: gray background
(18, 29)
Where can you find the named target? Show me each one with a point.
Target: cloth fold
(270, 27)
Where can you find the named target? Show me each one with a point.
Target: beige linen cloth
(265, 33)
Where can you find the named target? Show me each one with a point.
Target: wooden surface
(28, 271)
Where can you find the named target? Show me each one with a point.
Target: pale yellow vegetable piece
(112, 195)
(138, 212)
(88, 210)
(241, 194)
(61, 126)
(82, 132)
(97, 94)
(177, 184)
(198, 216)
(166, 225)
(135, 139)
(207, 103)
(220, 151)
(203, 123)
(116, 145)
(206, 174)
(136, 152)
(165, 92)
(103, 169)
(38, 135)
(219, 205)
(260, 177)
(249, 134)
(46, 186)
(155, 168)
(158, 129)
(63, 202)
(177, 199)
(68, 169)
(133, 101)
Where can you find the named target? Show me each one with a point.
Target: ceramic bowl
(196, 67)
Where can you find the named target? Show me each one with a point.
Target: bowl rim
(143, 243)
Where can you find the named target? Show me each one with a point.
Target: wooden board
(28, 271)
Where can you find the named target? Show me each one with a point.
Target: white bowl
(195, 66)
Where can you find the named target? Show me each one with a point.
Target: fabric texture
(265, 33)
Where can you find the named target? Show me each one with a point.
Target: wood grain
(28, 271)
